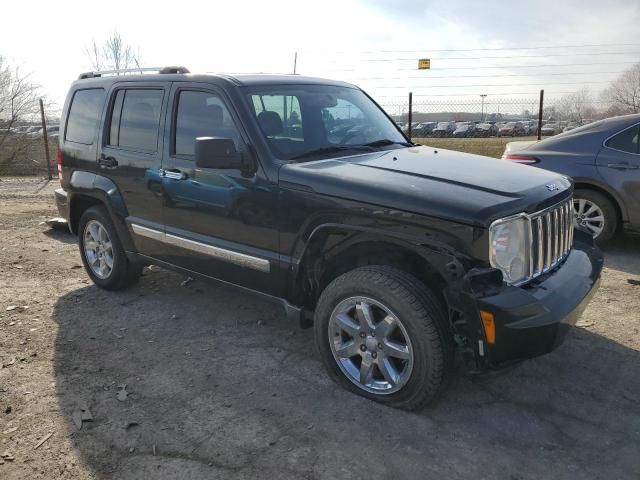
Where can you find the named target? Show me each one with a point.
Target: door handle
(622, 166)
(108, 162)
(173, 174)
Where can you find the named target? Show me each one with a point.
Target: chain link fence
(24, 154)
(481, 119)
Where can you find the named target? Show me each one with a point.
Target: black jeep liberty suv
(304, 191)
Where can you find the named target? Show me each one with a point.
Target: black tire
(422, 316)
(608, 209)
(124, 272)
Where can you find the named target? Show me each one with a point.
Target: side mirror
(217, 152)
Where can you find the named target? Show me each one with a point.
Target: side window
(279, 116)
(627, 140)
(201, 114)
(135, 120)
(85, 110)
(340, 119)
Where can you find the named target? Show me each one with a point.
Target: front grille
(551, 237)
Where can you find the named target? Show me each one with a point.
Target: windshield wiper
(332, 149)
(384, 142)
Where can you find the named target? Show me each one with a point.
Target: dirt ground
(220, 385)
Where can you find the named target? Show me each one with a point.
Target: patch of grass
(489, 147)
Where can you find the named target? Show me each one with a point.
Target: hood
(455, 186)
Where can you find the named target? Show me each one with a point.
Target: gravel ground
(220, 385)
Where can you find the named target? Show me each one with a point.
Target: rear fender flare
(102, 191)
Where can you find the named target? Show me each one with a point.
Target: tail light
(514, 157)
(59, 162)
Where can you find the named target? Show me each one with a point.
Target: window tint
(627, 141)
(84, 113)
(135, 120)
(201, 114)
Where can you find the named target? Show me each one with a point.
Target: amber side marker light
(489, 325)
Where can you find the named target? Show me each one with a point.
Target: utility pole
(483, 96)
(295, 62)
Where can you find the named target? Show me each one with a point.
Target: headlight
(509, 250)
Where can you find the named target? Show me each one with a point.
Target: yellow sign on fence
(424, 64)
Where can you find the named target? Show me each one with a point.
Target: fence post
(46, 140)
(410, 115)
(540, 114)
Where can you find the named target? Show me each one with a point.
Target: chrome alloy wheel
(98, 249)
(589, 215)
(370, 345)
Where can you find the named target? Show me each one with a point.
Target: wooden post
(46, 140)
(540, 114)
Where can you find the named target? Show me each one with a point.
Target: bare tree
(18, 102)
(18, 98)
(624, 92)
(114, 54)
(576, 107)
(94, 53)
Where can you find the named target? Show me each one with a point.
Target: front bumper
(533, 319)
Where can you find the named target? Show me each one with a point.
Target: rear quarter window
(626, 141)
(84, 113)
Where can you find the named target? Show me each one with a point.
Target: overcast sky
(373, 43)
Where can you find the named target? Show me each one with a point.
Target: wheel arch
(335, 249)
(612, 196)
(88, 190)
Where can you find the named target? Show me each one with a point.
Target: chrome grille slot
(551, 237)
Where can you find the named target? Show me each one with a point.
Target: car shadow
(219, 383)
(61, 235)
(623, 253)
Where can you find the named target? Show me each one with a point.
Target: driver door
(218, 222)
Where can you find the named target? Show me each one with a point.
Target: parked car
(443, 129)
(464, 129)
(511, 129)
(53, 131)
(399, 254)
(485, 130)
(570, 127)
(551, 128)
(423, 129)
(603, 158)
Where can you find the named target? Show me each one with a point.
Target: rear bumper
(534, 319)
(62, 202)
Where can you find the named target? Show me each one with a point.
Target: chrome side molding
(240, 259)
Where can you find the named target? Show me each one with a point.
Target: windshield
(317, 121)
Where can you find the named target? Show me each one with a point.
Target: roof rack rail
(124, 71)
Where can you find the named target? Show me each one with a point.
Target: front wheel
(382, 334)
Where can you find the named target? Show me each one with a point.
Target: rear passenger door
(619, 164)
(131, 154)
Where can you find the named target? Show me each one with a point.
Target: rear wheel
(102, 254)
(381, 334)
(595, 212)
